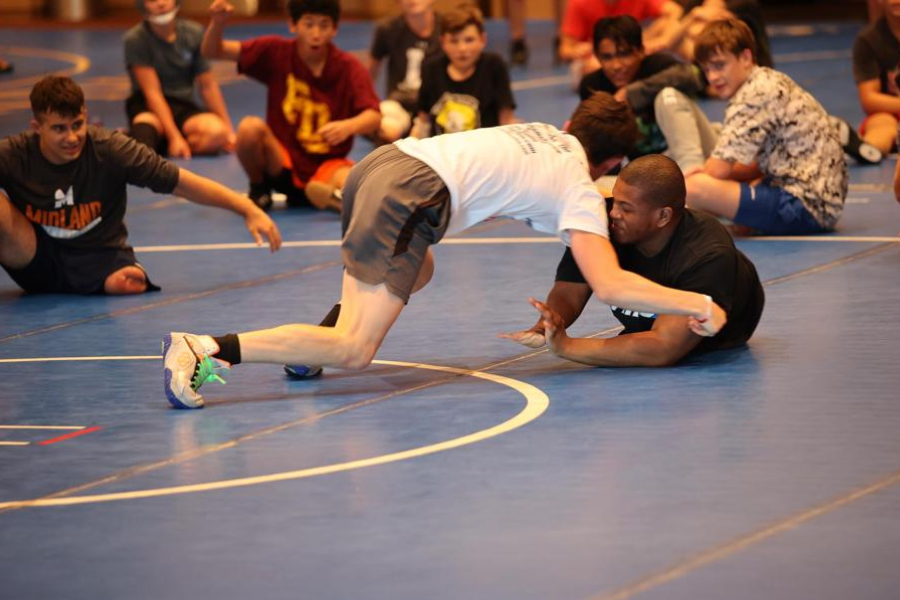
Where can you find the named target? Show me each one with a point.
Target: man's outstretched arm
(613, 286)
(665, 344)
(206, 191)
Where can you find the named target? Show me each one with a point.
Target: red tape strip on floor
(69, 436)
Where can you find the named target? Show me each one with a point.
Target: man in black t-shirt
(633, 76)
(61, 216)
(466, 88)
(658, 238)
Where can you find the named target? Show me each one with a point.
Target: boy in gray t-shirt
(162, 54)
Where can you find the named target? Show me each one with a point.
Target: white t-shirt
(530, 172)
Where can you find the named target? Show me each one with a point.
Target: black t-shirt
(81, 204)
(876, 54)
(700, 257)
(750, 13)
(465, 105)
(406, 52)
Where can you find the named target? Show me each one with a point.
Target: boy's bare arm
(213, 45)
(873, 100)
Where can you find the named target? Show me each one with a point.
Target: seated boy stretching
(62, 226)
(318, 97)
(466, 88)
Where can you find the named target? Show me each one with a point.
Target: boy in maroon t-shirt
(318, 98)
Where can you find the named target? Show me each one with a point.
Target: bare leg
(18, 243)
(258, 150)
(881, 131)
(720, 197)
(206, 133)
(367, 314)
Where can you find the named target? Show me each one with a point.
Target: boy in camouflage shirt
(778, 166)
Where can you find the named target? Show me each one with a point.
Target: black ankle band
(229, 348)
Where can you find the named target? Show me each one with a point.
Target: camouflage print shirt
(778, 124)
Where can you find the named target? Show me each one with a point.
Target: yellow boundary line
(536, 403)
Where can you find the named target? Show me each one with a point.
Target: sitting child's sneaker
(862, 152)
(324, 196)
(302, 371)
(188, 363)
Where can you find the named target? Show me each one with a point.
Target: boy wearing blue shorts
(778, 166)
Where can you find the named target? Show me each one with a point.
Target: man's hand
(711, 323)
(621, 95)
(554, 325)
(179, 148)
(530, 338)
(260, 224)
(219, 11)
(336, 132)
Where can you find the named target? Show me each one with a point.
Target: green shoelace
(204, 372)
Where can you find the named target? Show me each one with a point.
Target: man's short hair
(55, 94)
(460, 17)
(727, 35)
(624, 31)
(329, 8)
(658, 180)
(604, 126)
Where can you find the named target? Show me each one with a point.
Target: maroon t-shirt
(299, 103)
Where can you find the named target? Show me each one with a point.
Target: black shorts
(182, 110)
(56, 269)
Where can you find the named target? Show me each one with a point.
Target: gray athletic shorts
(395, 206)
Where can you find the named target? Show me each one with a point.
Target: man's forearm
(210, 193)
(645, 349)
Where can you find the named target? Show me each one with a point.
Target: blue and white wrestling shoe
(188, 364)
(302, 371)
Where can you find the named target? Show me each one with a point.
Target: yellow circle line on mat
(536, 402)
(80, 63)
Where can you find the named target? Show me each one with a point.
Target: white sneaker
(188, 364)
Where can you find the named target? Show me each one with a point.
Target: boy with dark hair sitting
(466, 88)
(62, 224)
(318, 98)
(633, 76)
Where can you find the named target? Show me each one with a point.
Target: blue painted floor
(765, 472)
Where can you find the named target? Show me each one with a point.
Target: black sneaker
(518, 53)
(862, 152)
